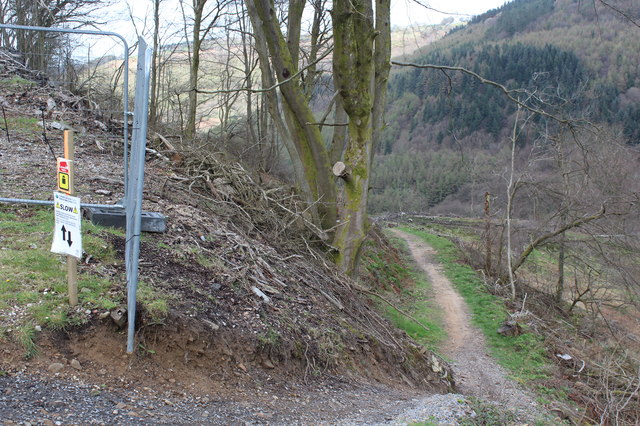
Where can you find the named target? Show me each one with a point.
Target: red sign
(64, 175)
(63, 166)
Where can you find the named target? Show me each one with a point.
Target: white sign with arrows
(67, 238)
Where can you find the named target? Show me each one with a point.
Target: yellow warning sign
(63, 181)
(64, 175)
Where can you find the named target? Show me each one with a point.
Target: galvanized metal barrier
(134, 190)
(133, 167)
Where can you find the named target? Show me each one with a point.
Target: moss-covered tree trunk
(361, 60)
(361, 66)
(311, 151)
(353, 208)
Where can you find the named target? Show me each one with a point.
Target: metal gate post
(136, 181)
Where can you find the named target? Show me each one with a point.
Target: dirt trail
(476, 373)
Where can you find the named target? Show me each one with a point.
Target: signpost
(64, 175)
(67, 238)
(70, 235)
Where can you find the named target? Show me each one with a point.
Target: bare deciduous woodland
(285, 136)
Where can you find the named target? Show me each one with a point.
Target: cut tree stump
(341, 170)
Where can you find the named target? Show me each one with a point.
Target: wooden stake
(72, 262)
(487, 232)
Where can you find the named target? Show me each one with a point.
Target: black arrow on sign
(66, 235)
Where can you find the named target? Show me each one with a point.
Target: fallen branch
(165, 142)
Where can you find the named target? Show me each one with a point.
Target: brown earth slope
(312, 349)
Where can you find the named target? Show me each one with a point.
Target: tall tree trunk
(353, 212)
(362, 51)
(361, 63)
(310, 149)
(273, 105)
(561, 257)
(487, 232)
(340, 132)
(194, 67)
(153, 102)
(382, 63)
(511, 192)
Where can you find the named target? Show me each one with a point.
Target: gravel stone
(56, 367)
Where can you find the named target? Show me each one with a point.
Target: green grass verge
(523, 356)
(488, 414)
(34, 280)
(156, 303)
(415, 293)
(25, 335)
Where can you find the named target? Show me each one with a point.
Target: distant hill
(580, 57)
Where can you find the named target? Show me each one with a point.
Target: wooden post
(487, 232)
(72, 262)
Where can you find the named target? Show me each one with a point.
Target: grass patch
(95, 292)
(25, 335)
(94, 244)
(22, 125)
(400, 281)
(488, 414)
(390, 274)
(155, 302)
(209, 262)
(16, 82)
(524, 356)
(51, 314)
(35, 280)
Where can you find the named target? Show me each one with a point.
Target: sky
(410, 12)
(403, 13)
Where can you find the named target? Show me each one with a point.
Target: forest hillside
(447, 132)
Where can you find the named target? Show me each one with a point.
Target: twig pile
(38, 96)
(274, 213)
(11, 64)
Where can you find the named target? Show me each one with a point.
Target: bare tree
(37, 46)
(513, 182)
(361, 54)
(154, 89)
(200, 18)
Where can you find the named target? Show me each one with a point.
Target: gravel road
(29, 399)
